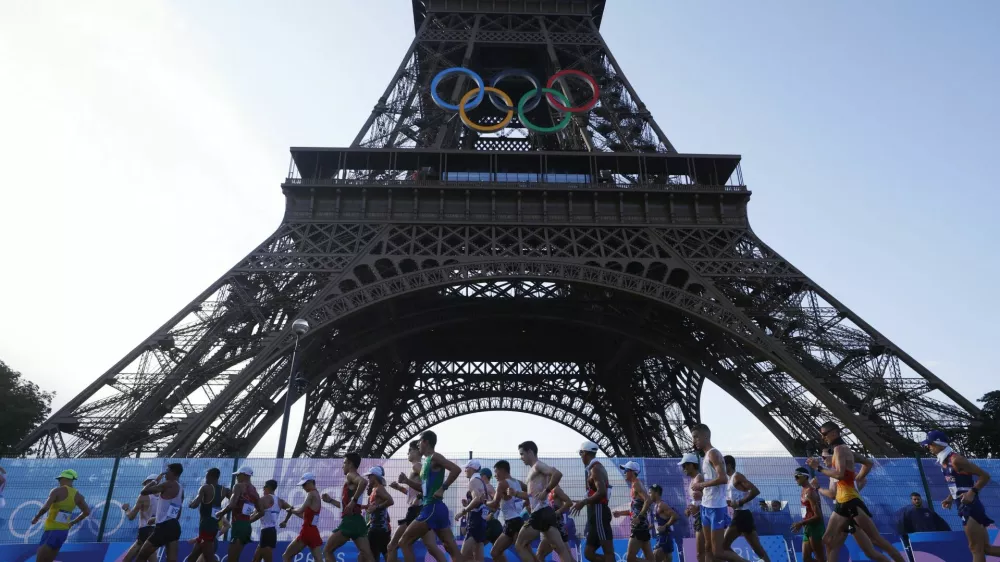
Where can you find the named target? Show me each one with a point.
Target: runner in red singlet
(308, 511)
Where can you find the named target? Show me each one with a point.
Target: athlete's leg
(718, 548)
(195, 555)
(632, 552)
(835, 535)
(171, 551)
(701, 546)
(235, 549)
(758, 548)
(647, 551)
(414, 532)
(132, 551)
(391, 553)
(294, 548)
(732, 533)
(469, 549)
(148, 551)
(544, 549)
(499, 551)
(45, 553)
(431, 545)
(336, 540)
(866, 524)
(317, 554)
(554, 538)
(523, 543)
(450, 546)
(865, 543)
(979, 541)
(659, 555)
(364, 550)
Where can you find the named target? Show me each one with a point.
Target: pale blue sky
(142, 145)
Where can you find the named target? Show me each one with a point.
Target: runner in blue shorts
(663, 518)
(714, 509)
(434, 514)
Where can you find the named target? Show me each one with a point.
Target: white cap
(151, 477)
(630, 465)
(376, 471)
(245, 469)
(473, 464)
(589, 446)
(307, 477)
(689, 457)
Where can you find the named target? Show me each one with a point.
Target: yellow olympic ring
(485, 128)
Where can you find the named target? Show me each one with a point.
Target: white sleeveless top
(713, 496)
(511, 508)
(270, 518)
(170, 509)
(736, 495)
(147, 514)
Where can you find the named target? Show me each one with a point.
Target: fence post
(107, 500)
(923, 480)
(470, 455)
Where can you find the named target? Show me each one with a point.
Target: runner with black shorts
(541, 480)
(379, 500)
(494, 527)
(509, 505)
(849, 507)
(144, 509)
(638, 510)
(273, 505)
(561, 503)
(598, 513)
(958, 474)
(690, 464)
(740, 492)
(860, 536)
(411, 486)
(168, 511)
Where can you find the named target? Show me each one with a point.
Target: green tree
(984, 440)
(23, 406)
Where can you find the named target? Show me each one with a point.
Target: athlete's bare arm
(237, 492)
(564, 501)
(554, 475)
(326, 498)
(842, 458)
(640, 490)
(749, 487)
(156, 487)
(962, 464)
(205, 495)
(382, 498)
(721, 478)
(360, 484)
(501, 493)
(140, 503)
(257, 514)
(84, 509)
(668, 513)
(600, 477)
(453, 472)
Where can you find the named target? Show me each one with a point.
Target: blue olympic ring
(450, 106)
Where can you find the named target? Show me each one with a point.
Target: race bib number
(954, 491)
(215, 511)
(248, 509)
(173, 510)
(803, 511)
(64, 517)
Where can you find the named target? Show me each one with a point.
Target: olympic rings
(440, 76)
(502, 101)
(485, 128)
(524, 119)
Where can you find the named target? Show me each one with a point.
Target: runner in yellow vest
(60, 505)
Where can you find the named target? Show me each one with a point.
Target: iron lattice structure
(596, 277)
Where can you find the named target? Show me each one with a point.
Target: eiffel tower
(544, 250)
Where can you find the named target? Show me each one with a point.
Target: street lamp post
(300, 327)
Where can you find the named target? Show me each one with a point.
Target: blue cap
(486, 472)
(936, 436)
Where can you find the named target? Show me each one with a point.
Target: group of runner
(531, 509)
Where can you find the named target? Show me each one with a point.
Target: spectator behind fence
(775, 519)
(917, 518)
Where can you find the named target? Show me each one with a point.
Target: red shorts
(309, 536)
(204, 537)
